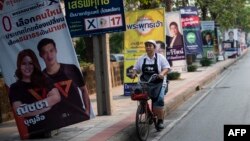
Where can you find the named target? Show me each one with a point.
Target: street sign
(92, 18)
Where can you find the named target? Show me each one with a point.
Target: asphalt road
(225, 101)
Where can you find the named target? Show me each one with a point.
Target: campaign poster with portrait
(243, 41)
(208, 38)
(175, 43)
(141, 26)
(231, 46)
(40, 67)
(191, 30)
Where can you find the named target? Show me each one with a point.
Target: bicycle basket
(137, 93)
(140, 96)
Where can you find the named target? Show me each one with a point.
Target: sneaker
(160, 125)
(40, 135)
(54, 132)
(47, 135)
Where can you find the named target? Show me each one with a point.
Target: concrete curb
(176, 98)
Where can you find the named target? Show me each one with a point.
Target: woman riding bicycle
(147, 65)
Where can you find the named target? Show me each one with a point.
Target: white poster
(175, 42)
(231, 45)
(22, 28)
(40, 67)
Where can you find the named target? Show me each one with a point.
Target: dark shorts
(159, 102)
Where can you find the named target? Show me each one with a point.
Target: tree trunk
(204, 13)
(168, 5)
(189, 59)
(89, 49)
(184, 3)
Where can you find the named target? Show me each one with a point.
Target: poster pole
(103, 76)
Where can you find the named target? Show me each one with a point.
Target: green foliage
(116, 41)
(205, 61)
(224, 12)
(174, 75)
(142, 4)
(243, 19)
(84, 64)
(80, 48)
(192, 68)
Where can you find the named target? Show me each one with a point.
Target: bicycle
(144, 115)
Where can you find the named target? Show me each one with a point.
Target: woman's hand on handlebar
(133, 75)
(160, 76)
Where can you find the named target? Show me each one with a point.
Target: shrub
(84, 64)
(205, 62)
(192, 68)
(174, 75)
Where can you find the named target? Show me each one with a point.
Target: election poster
(141, 25)
(208, 39)
(231, 45)
(174, 41)
(191, 30)
(40, 68)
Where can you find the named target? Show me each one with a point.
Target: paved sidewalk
(120, 125)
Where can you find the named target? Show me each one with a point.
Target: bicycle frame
(144, 114)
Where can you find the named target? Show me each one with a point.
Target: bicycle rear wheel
(142, 122)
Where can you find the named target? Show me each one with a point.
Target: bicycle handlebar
(152, 77)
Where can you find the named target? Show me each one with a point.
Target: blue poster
(191, 30)
(87, 17)
(208, 39)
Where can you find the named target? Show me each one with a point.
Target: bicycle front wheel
(142, 122)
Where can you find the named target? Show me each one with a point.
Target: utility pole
(103, 76)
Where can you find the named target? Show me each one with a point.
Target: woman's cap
(152, 42)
